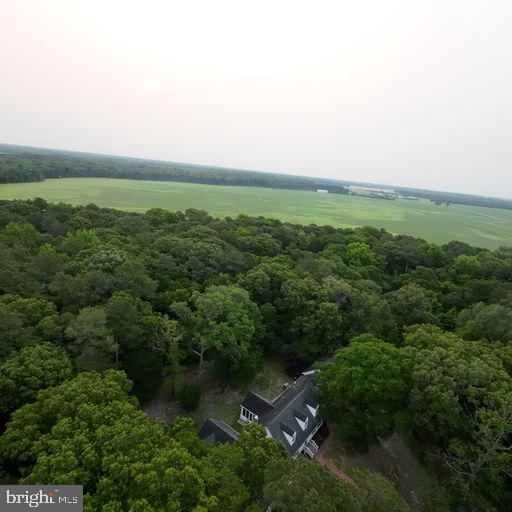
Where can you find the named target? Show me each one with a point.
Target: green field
(486, 227)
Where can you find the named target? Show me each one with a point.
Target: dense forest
(26, 167)
(25, 164)
(97, 306)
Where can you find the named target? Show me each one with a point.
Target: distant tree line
(24, 164)
(448, 198)
(34, 167)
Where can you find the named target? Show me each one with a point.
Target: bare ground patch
(218, 400)
(392, 458)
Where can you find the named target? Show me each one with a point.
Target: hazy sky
(405, 92)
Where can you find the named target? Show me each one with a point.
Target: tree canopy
(99, 306)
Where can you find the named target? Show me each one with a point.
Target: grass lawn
(485, 227)
(270, 382)
(218, 401)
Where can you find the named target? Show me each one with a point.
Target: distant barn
(383, 193)
(322, 191)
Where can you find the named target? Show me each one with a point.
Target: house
(322, 191)
(291, 419)
(216, 431)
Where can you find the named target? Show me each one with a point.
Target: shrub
(189, 396)
(171, 386)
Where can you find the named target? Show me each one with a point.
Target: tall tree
(28, 371)
(19, 443)
(93, 344)
(492, 322)
(412, 304)
(301, 484)
(225, 319)
(362, 388)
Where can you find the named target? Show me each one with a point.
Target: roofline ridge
(222, 422)
(290, 404)
(294, 383)
(260, 396)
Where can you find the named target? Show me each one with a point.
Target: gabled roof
(256, 404)
(213, 431)
(281, 415)
(287, 430)
(300, 415)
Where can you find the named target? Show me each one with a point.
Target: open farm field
(485, 227)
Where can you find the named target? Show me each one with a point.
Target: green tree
(466, 264)
(301, 484)
(412, 304)
(124, 461)
(221, 470)
(481, 465)
(145, 367)
(74, 292)
(131, 276)
(450, 382)
(13, 334)
(428, 336)
(80, 240)
(367, 311)
(376, 493)
(318, 333)
(124, 318)
(184, 430)
(359, 254)
(19, 234)
(264, 281)
(435, 256)
(31, 310)
(20, 321)
(225, 319)
(149, 343)
(190, 395)
(28, 371)
(19, 443)
(259, 451)
(492, 322)
(363, 387)
(93, 344)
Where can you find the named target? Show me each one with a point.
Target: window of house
(302, 423)
(313, 409)
(247, 414)
(289, 438)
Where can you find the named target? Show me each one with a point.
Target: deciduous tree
(28, 371)
(362, 388)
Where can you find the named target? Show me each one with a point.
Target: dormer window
(301, 419)
(313, 409)
(289, 434)
(289, 438)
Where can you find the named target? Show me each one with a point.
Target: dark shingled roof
(257, 404)
(213, 431)
(300, 415)
(289, 406)
(288, 430)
